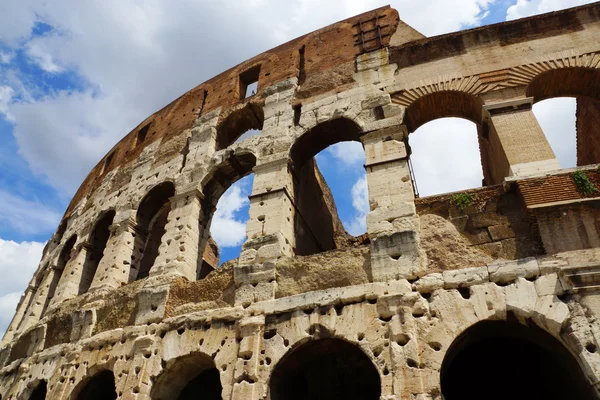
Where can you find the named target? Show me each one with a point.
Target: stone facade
(128, 303)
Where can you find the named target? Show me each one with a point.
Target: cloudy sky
(76, 76)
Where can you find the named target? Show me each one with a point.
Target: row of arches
(491, 359)
(318, 227)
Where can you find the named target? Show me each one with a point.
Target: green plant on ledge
(583, 183)
(462, 200)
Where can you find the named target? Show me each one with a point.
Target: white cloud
(41, 57)
(360, 201)
(226, 229)
(350, 153)
(18, 262)
(557, 119)
(445, 156)
(26, 216)
(150, 55)
(526, 8)
(5, 58)
(6, 95)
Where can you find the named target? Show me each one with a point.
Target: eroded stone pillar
(19, 315)
(68, 286)
(393, 224)
(247, 384)
(270, 232)
(517, 143)
(41, 298)
(114, 269)
(179, 253)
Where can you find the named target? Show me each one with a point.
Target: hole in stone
(465, 292)
(435, 346)
(180, 331)
(591, 347)
(412, 363)
(270, 334)
(403, 339)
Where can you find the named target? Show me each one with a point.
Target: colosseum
(492, 292)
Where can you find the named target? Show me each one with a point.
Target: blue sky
(75, 77)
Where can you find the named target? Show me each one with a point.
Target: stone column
(246, 375)
(179, 247)
(68, 286)
(270, 231)
(392, 224)
(114, 269)
(517, 143)
(41, 298)
(19, 315)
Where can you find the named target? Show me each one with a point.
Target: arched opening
(63, 259)
(226, 210)
(39, 393)
(570, 119)
(445, 156)
(335, 147)
(194, 376)
(100, 387)
(325, 369)
(248, 118)
(151, 219)
(98, 239)
(448, 149)
(507, 360)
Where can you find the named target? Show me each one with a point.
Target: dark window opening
(507, 360)
(325, 369)
(100, 387)
(249, 82)
(141, 135)
(317, 225)
(297, 114)
(151, 219)
(301, 61)
(108, 161)
(39, 392)
(189, 377)
(98, 240)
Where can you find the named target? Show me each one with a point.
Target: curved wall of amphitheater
(489, 292)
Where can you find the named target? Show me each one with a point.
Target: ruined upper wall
(323, 61)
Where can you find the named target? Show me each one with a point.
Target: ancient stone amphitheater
(490, 293)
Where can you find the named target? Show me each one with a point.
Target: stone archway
(40, 391)
(100, 387)
(194, 376)
(325, 369)
(508, 360)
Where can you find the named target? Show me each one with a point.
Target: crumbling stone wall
(395, 301)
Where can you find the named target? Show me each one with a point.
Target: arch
(505, 359)
(322, 136)
(65, 253)
(221, 177)
(565, 82)
(325, 369)
(316, 223)
(441, 105)
(188, 377)
(249, 117)
(98, 240)
(40, 391)
(61, 263)
(151, 219)
(101, 386)
(580, 83)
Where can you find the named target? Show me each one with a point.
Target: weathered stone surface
(142, 298)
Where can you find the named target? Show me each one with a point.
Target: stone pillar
(114, 269)
(270, 232)
(68, 286)
(19, 315)
(41, 298)
(179, 248)
(392, 224)
(246, 375)
(517, 143)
